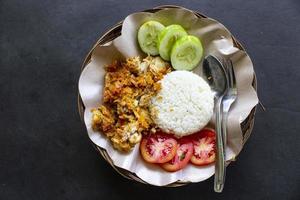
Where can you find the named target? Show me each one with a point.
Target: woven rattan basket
(114, 32)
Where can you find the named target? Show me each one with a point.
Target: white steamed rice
(184, 105)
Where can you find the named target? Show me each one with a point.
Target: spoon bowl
(215, 75)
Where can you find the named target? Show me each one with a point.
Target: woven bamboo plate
(114, 32)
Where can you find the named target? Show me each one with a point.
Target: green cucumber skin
(148, 33)
(165, 38)
(188, 60)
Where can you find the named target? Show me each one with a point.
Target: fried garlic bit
(129, 87)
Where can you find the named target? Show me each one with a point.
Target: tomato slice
(204, 147)
(158, 148)
(183, 155)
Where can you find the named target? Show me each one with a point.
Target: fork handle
(224, 127)
(220, 154)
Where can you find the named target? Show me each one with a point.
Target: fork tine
(232, 74)
(228, 70)
(225, 63)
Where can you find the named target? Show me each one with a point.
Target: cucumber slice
(148, 36)
(167, 38)
(186, 53)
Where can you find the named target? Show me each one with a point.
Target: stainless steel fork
(229, 98)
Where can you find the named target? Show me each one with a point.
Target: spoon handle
(220, 154)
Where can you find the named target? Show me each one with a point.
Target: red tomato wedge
(204, 147)
(182, 157)
(158, 148)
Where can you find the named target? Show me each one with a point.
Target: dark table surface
(45, 152)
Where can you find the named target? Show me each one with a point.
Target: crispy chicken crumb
(129, 87)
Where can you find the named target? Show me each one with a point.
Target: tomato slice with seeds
(182, 156)
(158, 148)
(204, 147)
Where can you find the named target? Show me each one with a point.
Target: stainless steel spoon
(215, 74)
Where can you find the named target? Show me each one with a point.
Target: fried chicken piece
(129, 87)
(103, 119)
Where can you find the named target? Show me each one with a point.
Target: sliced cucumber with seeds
(167, 38)
(186, 53)
(148, 37)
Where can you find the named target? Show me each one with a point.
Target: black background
(45, 152)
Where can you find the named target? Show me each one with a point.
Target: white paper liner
(216, 39)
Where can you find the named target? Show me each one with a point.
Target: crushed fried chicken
(129, 86)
